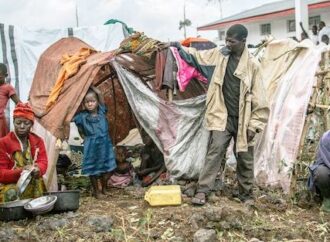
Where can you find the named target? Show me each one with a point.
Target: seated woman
(319, 181)
(22, 150)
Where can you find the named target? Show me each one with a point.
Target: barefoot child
(6, 91)
(99, 158)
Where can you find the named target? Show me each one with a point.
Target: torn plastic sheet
(277, 149)
(176, 127)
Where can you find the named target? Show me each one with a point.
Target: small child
(6, 91)
(99, 158)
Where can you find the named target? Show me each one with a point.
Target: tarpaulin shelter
(54, 123)
(176, 126)
(289, 70)
(21, 47)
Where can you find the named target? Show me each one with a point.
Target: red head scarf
(24, 110)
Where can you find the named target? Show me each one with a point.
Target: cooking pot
(66, 200)
(14, 210)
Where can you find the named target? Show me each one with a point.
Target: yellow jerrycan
(163, 195)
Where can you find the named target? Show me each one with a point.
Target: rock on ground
(100, 223)
(205, 235)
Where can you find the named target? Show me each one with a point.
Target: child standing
(99, 158)
(6, 91)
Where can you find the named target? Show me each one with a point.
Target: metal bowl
(41, 205)
(24, 180)
(66, 200)
(14, 210)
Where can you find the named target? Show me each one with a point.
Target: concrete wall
(279, 27)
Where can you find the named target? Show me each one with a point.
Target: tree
(185, 23)
(220, 2)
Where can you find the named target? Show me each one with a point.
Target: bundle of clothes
(173, 69)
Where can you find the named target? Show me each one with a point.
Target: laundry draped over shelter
(136, 80)
(70, 66)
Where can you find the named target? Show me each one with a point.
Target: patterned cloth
(98, 151)
(139, 44)
(36, 187)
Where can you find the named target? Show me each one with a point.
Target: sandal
(199, 199)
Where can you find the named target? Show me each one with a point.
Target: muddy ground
(125, 216)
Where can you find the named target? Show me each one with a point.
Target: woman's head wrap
(24, 110)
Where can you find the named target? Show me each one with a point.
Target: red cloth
(24, 110)
(3, 127)
(6, 91)
(8, 146)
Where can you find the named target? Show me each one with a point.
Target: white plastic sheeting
(21, 47)
(50, 177)
(276, 151)
(176, 127)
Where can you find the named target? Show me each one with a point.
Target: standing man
(323, 30)
(236, 108)
(314, 36)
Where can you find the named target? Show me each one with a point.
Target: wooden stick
(170, 94)
(321, 73)
(322, 106)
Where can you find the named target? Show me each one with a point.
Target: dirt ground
(125, 216)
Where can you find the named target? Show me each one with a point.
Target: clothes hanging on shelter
(185, 72)
(70, 66)
(165, 70)
(139, 44)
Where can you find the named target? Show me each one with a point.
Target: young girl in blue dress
(99, 158)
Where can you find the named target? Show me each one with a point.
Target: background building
(276, 19)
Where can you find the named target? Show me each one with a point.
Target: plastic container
(14, 210)
(66, 200)
(163, 195)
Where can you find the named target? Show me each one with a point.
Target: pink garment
(120, 180)
(6, 91)
(185, 71)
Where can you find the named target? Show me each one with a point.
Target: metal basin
(66, 200)
(14, 210)
(41, 205)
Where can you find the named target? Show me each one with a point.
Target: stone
(196, 220)
(214, 214)
(100, 223)
(205, 235)
(255, 240)
(57, 224)
(213, 198)
(7, 234)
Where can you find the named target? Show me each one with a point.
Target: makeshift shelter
(54, 122)
(175, 123)
(21, 47)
